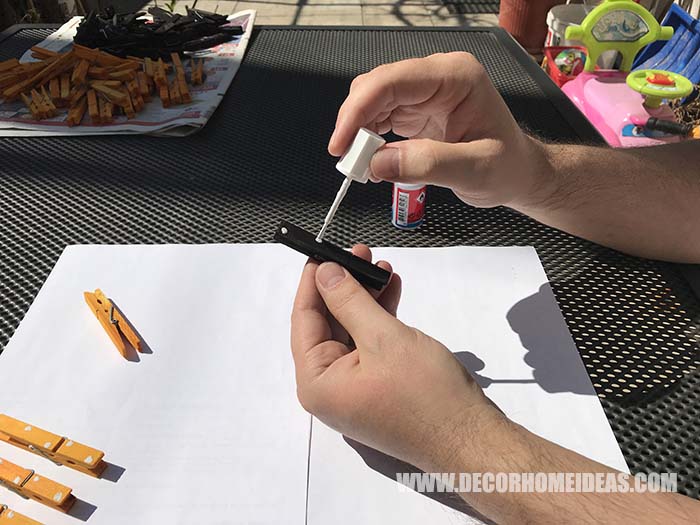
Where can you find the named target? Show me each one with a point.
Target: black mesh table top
(262, 158)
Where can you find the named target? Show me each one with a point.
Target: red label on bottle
(408, 208)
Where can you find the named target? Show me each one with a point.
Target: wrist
(542, 180)
(467, 440)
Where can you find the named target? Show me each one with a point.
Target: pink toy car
(626, 108)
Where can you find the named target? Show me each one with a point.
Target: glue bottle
(408, 205)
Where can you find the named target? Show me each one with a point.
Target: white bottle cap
(354, 164)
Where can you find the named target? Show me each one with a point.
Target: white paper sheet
(494, 307)
(207, 427)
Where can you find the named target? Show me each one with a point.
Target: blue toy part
(681, 54)
(630, 130)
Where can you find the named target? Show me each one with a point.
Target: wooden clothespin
(112, 321)
(30, 485)
(60, 450)
(10, 517)
(197, 73)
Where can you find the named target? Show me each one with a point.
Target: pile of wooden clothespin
(175, 92)
(88, 80)
(30, 485)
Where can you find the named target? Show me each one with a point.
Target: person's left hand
(376, 380)
(388, 297)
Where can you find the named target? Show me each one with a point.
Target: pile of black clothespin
(132, 35)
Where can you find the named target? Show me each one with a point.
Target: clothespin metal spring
(38, 450)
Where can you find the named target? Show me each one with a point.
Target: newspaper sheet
(221, 64)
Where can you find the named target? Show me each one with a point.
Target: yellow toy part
(619, 25)
(657, 85)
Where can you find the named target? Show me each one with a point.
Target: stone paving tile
(266, 5)
(210, 5)
(312, 5)
(400, 3)
(343, 12)
(331, 15)
(395, 15)
(227, 7)
(265, 10)
(275, 20)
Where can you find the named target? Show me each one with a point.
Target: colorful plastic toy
(681, 54)
(619, 103)
(563, 63)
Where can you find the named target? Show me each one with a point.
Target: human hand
(463, 136)
(393, 388)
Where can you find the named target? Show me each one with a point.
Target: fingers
(378, 93)
(429, 162)
(391, 295)
(383, 126)
(363, 252)
(314, 330)
(353, 306)
(309, 319)
(443, 78)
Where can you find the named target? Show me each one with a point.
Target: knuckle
(466, 57)
(478, 71)
(380, 70)
(359, 80)
(462, 57)
(322, 356)
(459, 58)
(307, 401)
(468, 63)
(324, 406)
(429, 159)
(438, 56)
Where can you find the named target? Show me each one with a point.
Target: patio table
(262, 158)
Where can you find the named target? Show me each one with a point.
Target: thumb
(425, 161)
(351, 304)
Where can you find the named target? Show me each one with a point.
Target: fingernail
(385, 164)
(329, 274)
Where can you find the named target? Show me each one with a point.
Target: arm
(639, 201)
(463, 137)
(505, 446)
(393, 388)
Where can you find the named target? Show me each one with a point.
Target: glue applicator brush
(354, 164)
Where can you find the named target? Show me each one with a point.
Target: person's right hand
(463, 135)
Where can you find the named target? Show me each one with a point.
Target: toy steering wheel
(657, 85)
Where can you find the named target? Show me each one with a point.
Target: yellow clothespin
(60, 450)
(116, 326)
(10, 517)
(30, 485)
